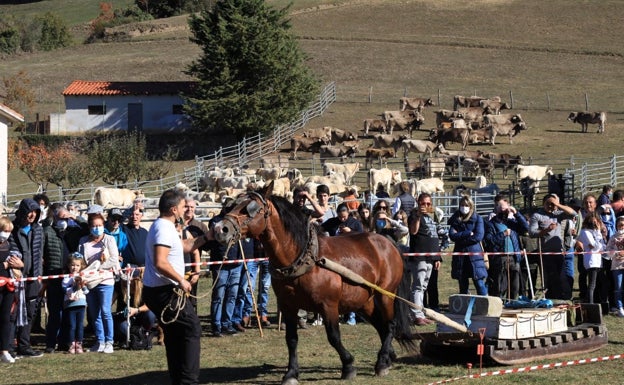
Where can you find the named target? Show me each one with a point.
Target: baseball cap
(95, 209)
(115, 213)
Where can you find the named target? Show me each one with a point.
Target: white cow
(116, 197)
(385, 177)
(346, 171)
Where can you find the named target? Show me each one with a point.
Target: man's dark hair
(617, 195)
(322, 189)
(168, 199)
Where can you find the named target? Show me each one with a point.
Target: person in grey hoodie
(28, 239)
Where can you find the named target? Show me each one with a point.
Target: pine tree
(252, 76)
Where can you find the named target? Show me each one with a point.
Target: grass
(248, 358)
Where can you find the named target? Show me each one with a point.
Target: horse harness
(306, 260)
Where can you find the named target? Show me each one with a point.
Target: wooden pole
(356, 278)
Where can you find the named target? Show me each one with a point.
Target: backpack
(139, 338)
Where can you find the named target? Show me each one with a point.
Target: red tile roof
(98, 88)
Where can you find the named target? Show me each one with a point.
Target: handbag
(486, 258)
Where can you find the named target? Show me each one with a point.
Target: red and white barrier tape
(128, 270)
(533, 368)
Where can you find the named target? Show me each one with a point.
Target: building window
(178, 109)
(97, 109)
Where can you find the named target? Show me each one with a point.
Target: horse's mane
(295, 222)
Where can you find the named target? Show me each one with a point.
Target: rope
(177, 303)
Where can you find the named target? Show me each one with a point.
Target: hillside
(548, 56)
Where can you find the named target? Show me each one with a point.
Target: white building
(7, 117)
(122, 106)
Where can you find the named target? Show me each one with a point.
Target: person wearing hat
(343, 223)
(114, 219)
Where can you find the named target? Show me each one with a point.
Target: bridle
(253, 209)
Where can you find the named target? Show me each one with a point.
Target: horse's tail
(402, 314)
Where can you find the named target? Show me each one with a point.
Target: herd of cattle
(473, 120)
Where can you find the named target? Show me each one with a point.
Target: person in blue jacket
(466, 231)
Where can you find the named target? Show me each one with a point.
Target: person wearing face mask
(501, 238)
(55, 253)
(27, 237)
(615, 248)
(605, 197)
(100, 250)
(466, 231)
(44, 204)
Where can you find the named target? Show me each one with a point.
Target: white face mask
(607, 218)
(4, 236)
(464, 210)
(620, 232)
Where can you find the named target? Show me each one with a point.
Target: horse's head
(248, 218)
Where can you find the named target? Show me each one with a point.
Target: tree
(251, 74)
(54, 32)
(124, 158)
(19, 94)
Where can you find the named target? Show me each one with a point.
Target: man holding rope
(165, 289)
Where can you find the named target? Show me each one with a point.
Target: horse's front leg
(292, 375)
(333, 336)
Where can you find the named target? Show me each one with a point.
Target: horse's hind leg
(333, 336)
(292, 338)
(386, 353)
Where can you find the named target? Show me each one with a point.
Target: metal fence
(254, 148)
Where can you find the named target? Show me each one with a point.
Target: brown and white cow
(323, 132)
(408, 124)
(470, 101)
(378, 154)
(421, 147)
(341, 151)
(509, 129)
(338, 135)
(586, 118)
(300, 142)
(387, 140)
(417, 104)
(446, 116)
(495, 106)
(458, 133)
(375, 125)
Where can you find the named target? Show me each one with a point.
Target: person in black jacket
(28, 238)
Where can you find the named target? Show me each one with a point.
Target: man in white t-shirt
(164, 272)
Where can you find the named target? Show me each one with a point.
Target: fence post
(511, 99)
(586, 102)
(614, 170)
(548, 101)
(439, 102)
(370, 94)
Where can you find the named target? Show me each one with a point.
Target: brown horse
(294, 249)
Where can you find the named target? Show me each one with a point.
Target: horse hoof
(349, 374)
(382, 372)
(290, 381)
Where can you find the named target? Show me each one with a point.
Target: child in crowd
(75, 302)
(591, 242)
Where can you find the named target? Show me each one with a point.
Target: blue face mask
(97, 231)
(72, 223)
(380, 224)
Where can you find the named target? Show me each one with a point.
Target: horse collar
(303, 263)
